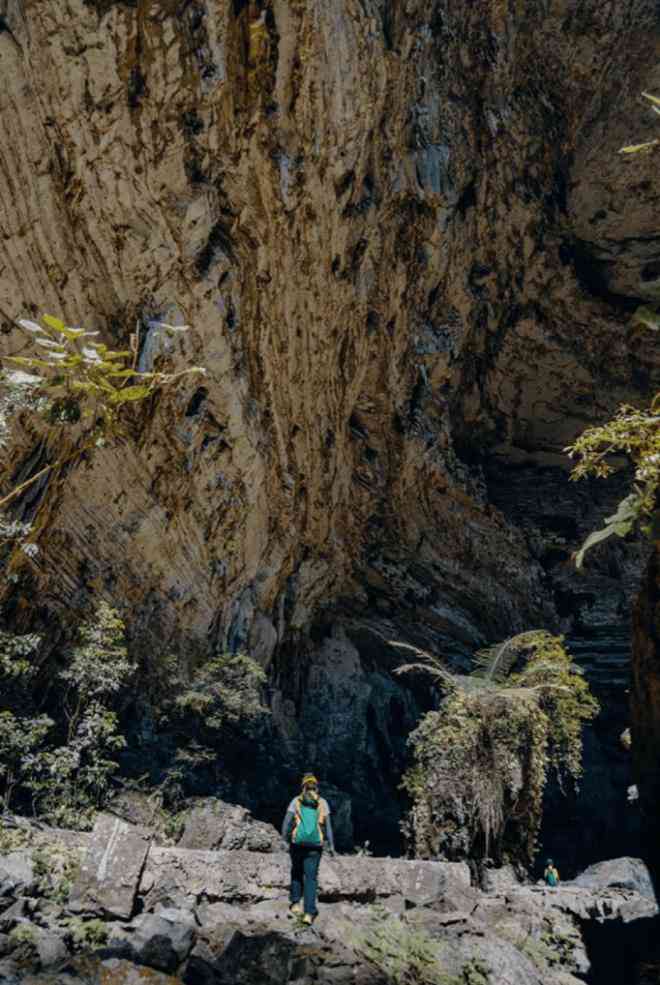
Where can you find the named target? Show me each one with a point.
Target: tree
(481, 761)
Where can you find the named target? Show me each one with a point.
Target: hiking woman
(305, 831)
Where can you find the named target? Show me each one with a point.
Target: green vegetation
(406, 955)
(64, 768)
(23, 940)
(482, 760)
(635, 434)
(55, 867)
(85, 935)
(218, 705)
(14, 839)
(632, 433)
(79, 388)
(224, 693)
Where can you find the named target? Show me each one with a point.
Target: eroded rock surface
(111, 869)
(215, 918)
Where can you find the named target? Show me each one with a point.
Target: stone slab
(111, 870)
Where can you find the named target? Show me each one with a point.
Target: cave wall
(407, 250)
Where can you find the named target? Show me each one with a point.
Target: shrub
(70, 781)
(85, 935)
(402, 954)
(55, 867)
(406, 955)
(23, 938)
(65, 768)
(21, 741)
(216, 714)
(482, 760)
(224, 693)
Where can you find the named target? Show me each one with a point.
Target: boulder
(139, 808)
(208, 954)
(16, 873)
(618, 873)
(175, 877)
(162, 940)
(213, 824)
(50, 948)
(227, 955)
(215, 913)
(14, 914)
(110, 873)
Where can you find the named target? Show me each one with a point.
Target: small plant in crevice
(23, 941)
(86, 935)
(55, 869)
(481, 761)
(403, 954)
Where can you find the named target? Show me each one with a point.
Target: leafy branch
(633, 433)
(76, 381)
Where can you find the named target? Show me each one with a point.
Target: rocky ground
(112, 907)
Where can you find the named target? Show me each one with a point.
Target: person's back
(305, 831)
(551, 875)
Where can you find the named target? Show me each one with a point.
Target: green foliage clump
(219, 705)
(85, 935)
(403, 955)
(14, 839)
(635, 434)
(224, 693)
(475, 972)
(55, 868)
(482, 760)
(23, 938)
(65, 767)
(552, 948)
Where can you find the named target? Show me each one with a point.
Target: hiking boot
(295, 909)
(308, 919)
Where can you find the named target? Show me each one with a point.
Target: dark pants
(305, 876)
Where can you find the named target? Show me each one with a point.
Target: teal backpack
(307, 831)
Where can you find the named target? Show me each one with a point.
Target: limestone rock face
(645, 696)
(369, 218)
(407, 248)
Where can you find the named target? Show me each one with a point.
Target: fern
(481, 761)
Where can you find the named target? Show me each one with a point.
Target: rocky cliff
(407, 249)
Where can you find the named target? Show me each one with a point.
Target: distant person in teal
(551, 875)
(306, 829)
